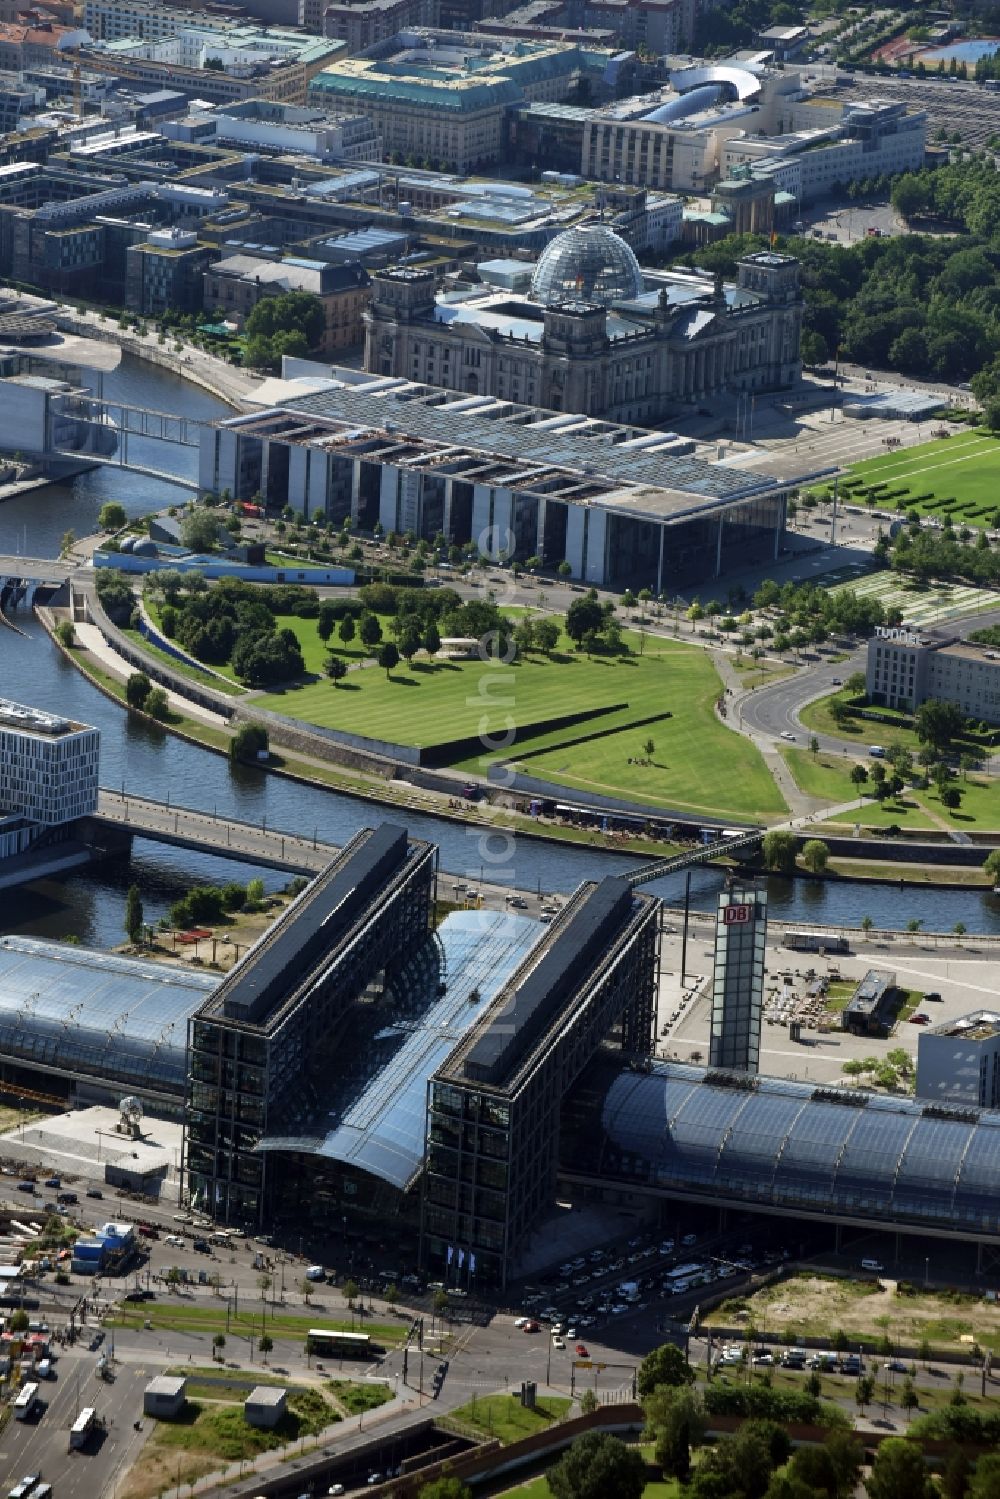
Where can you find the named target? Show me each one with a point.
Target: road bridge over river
(225, 837)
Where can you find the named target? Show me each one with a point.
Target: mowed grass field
(923, 603)
(697, 763)
(964, 468)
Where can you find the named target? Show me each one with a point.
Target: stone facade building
(634, 360)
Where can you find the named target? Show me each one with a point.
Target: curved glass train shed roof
(789, 1145)
(80, 1013)
(372, 1115)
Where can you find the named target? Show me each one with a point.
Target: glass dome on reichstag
(590, 263)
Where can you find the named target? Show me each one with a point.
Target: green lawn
(964, 468)
(225, 684)
(356, 1397)
(656, 1488)
(823, 774)
(979, 811)
(209, 1316)
(504, 1417)
(697, 763)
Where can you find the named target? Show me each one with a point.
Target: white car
(558, 1343)
(521, 1321)
(315, 1272)
(175, 1240)
(785, 734)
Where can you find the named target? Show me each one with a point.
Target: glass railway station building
(621, 504)
(361, 1065)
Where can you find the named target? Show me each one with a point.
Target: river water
(148, 761)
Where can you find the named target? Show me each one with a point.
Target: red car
(531, 1327)
(581, 1350)
(920, 1020)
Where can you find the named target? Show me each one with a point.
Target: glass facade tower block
(738, 976)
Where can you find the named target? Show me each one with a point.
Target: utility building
(738, 976)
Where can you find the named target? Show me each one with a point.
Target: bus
(82, 1427)
(326, 1343)
(24, 1405)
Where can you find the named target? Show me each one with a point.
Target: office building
(959, 1062)
(443, 96)
(738, 976)
(368, 23)
(630, 348)
(493, 1108)
(905, 667)
(49, 766)
(164, 272)
(233, 287)
(623, 505)
(263, 1041)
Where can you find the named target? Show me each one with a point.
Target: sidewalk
(90, 637)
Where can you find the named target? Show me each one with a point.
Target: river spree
(150, 762)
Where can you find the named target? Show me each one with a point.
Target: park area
(955, 477)
(582, 721)
(211, 1432)
(831, 1308)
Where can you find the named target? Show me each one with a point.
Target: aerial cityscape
(499, 749)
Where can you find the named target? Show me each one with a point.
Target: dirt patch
(818, 1306)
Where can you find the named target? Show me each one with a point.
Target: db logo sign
(737, 915)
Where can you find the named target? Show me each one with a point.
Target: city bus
(82, 1427)
(326, 1343)
(24, 1405)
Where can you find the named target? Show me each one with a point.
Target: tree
(255, 891)
(565, 569)
(598, 1467)
(265, 1343)
(65, 633)
(866, 924)
(813, 347)
(899, 1472)
(388, 657)
(677, 1417)
(346, 629)
(432, 638)
(779, 852)
(985, 1480)
(583, 617)
(199, 530)
(666, 1365)
(524, 636)
(546, 635)
(991, 864)
(133, 915)
(813, 744)
(67, 543)
(18, 1321)
(350, 1292)
(909, 1399)
(859, 775)
(111, 516)
(137, 689)
(248, 744)
(695, 613)
(306, 1289)
(938, 723)
(218, 1344)
(409, 640)
(445, 1487)
(369, 631)
(816, 855)
(335, 668)
(924, 1351)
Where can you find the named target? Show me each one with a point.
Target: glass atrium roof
(373, 1114)
(791, 1145)
(94, 1014)
(590, 263)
